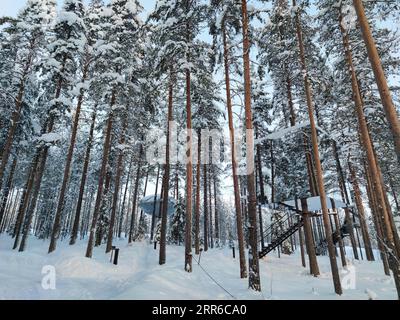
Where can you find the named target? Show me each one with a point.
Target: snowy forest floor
(138, 275)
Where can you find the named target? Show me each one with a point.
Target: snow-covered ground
(138, 275)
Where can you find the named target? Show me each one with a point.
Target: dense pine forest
(238, 133)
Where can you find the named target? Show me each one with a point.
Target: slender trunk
(135, 194)
(189, 155)
(12, 212)
(25, 199)
(205, 209)
(263, 199)
(301, 242)
(372, 164)
(272, 172)
(103, 171)
(197, 205)
(376, 219)
(361, 213)
(338, 234)
(254, 268)
(318, 167)
(314, 269)
(33, 202)
(7, 188)
(16, 114)
(75, 227)
(384, 91)
(122, 209)
(216, 213)
(153, 216)
(210, 220)
(164, 215)
(117, 185)
(238, 211)
(345, 199)
(6, 209)
(67, 168)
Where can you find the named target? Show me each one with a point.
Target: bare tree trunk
(272, 172)
(384, 91)
(210, 220)
(205, 208)
(197, 205)
(320, 179)
(75, 227)
(254, 268)
(376, 220)
(216, 213)
(153, 217)
(361, 212)
(372, 164)
(67, 168)
(135, 194)
(117, 184)
(164, 215)
(25, 199)
(122, 209)
(33, 202)
(341, 244)
(16, 114)
(7, 188)
(345, 199)
(239, 219)
(189, 155)
(314, 269)
(103, 171)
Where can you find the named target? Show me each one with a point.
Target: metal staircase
(279, 231)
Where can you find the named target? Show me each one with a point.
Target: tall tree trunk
(117, 184)
(135, 195)
(254, 268)
(384, 91)
(210, 220)
(361, 213)
(16, 114)
(338, 234)
(345, 199)
(7, 188)
(67, 168)
(216, 213)
(376, 219)
(103, 172)
(41, 153)
(153, 216)
(238, 211)
(205, 208)
(272, 172)
(25, 199)
(260, 185)
(122, 209)
(314, 269)
(318, 167)
(197, 205)
(89, 146)
(189, 155)
(35, 195)
(164, 215)
(372, 164)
